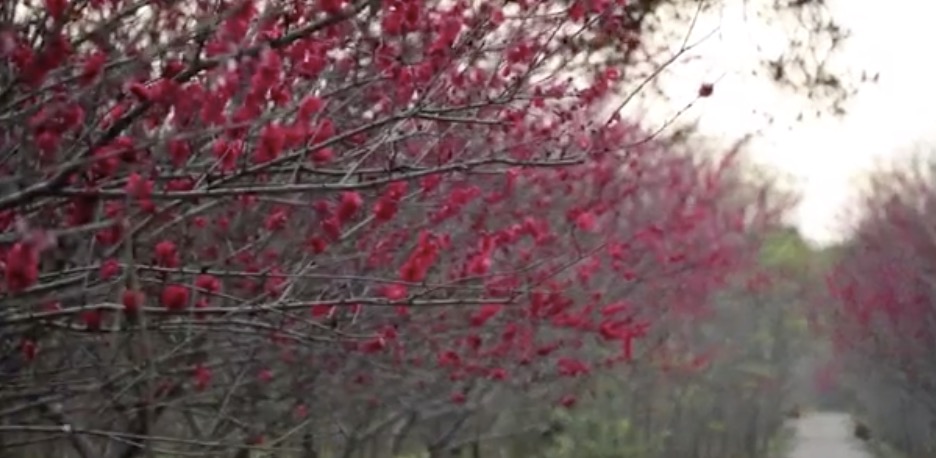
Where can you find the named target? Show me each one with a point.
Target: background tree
(883, 314)
(718, 388)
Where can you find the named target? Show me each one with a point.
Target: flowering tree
(330, 228)
(720, 392)
(884, 312)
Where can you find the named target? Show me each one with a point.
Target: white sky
(824, 157)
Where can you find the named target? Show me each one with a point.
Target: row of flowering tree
(882, 315)
(332, 228)
(722, 388)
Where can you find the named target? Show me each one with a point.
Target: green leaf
(757, 369)
(716, 426)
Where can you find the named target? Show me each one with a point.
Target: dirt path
(825, 435)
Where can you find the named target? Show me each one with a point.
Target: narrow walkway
(825, 435)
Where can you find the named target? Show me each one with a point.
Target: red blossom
(485, 313)
(350, 203)
(310, 106)
(110, 268)
(166, 254)
(132, 301)
(568, 401)
(202, 376)
(29, 349)
(175, 297)
(92, 319)
(56, 8)
(571, 367)
(395, 292)
(139, 187)
(208, 283)
(21, 267)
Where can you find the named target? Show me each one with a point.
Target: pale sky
(824, 157)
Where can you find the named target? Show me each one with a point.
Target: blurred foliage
(786, 249)
(723, 393)
(788, 252)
